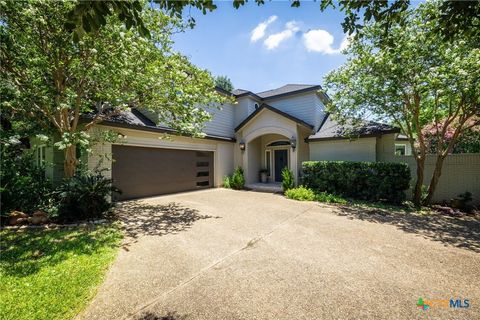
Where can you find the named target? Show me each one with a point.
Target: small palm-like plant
(288, 182)
(85, 196)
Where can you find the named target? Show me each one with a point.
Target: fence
(460, 173)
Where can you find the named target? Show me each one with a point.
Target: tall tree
(224, 82)
(75, 85)
(417, 80)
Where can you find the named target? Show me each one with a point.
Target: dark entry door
(142, 172)
(281, 161)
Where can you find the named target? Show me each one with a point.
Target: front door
(281, 161)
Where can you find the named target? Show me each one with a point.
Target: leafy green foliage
(306, 194)
(419, 78)
(49, 77)
(23, 183)
(456, 16)
(226, 182)
(85, 196)
(329, 198)
(224, 83)
(61, 266)
(373, 181)
(237, 180)
(288, 182)
(301, 193)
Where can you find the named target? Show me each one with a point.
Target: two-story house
(265, 130)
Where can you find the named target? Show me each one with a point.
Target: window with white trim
(40, 155)
(400, 149)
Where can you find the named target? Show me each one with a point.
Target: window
(203, 173)
(40, 155)
(267, 161)
(203, 184)
(400, 149)
(256, 106)
(279, 143)
(202, 164)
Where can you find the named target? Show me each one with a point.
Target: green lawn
(53, 274)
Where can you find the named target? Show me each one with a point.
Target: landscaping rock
(38, 217)
(17, 217)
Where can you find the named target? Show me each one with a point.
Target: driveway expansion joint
(250, 244)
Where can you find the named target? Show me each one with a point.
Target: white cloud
(319, 40)
(275, 39)
(259, 30)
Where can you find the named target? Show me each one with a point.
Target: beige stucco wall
(223, 151)
(272, 126)
(363, 149)
(254, 162)
(385, 146)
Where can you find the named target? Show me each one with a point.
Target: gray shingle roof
(135, 119)
(239, 91)
(331, 129)
(286, 89)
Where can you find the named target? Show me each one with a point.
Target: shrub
(85, 196)
(329, 198)
(226, 182)
(301, 193)
(372, 181)
(287, 179)
(23, 183)
(237, 180)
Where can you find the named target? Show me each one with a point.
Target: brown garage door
(142, 172)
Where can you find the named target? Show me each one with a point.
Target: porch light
(242, 146)
(293, 143)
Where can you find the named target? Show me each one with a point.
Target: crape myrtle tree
(74, 84)
(418, 79)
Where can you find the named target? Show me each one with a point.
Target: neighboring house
(266, 130)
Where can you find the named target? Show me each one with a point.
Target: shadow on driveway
(167, 316)
(459, 232)
(144, 219)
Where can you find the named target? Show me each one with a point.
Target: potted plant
(264, 175)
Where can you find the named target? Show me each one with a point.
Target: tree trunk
(417, 193)
(70, 162)
(435, 178)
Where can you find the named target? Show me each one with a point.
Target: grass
(405, 207)
(53, 274)
(302, 193)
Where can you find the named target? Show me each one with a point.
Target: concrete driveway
(224, 254)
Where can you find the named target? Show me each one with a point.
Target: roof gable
(265, 106)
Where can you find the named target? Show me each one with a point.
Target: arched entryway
(271, 152)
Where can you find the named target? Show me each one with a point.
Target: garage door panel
(141, 172)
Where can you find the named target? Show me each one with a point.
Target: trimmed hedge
(372, 181)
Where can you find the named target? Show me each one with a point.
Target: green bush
(329, 198)
(288, 181)
(301, 193)
(85, 196)
(235, 181)
(226, 182)
(23, 184)
(306, 194)
(372, 181)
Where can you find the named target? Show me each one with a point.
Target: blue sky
(295, 47)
